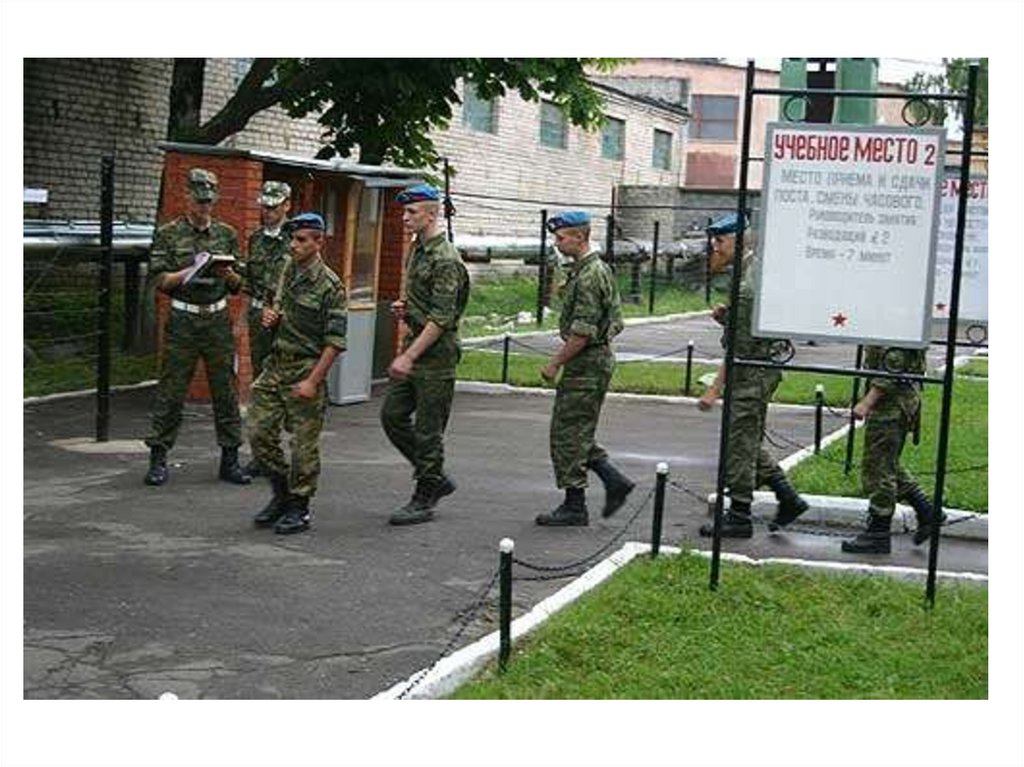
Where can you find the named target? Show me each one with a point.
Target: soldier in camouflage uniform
(591, 316)
(748, 465)
(423, 374)
(891, 407)
(267, 255)
(198, 326)
(309, 322)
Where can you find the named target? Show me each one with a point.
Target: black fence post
(854, 396)
(609, 241)
(819, 406)
(689, 367)
(707, 265)
(654, 267)
(504, 359)
(542, 267)
(103, 321)
(659, 508)
(506, 547)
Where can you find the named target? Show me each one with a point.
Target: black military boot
(736, 522)
(616, 485)
(274, 510)
(875, 540)
(791, 505)
(925, 515)
(230, 471)
(420, 507)
(296, 516)
(157, 474)
(253, 469)
(571, 513)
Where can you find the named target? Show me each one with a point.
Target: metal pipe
(819, 406)
(103, 319)
(506, 547)
(504, 359)
(689, 367)
(954, 313)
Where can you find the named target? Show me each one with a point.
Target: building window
(477, 113)
(662, 156)
(553, 126)
(613, 138)
(714, 117)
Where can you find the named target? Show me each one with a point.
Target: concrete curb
(85, 392)
(629, 321)
(449, 673)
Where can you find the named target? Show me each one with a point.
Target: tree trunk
(186, 99)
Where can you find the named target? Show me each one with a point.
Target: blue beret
(567, 219)
(418, 193)
(727, 224)
(306, 221)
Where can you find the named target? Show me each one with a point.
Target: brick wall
(700, 204)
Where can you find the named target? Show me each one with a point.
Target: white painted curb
(628, 321)
(454, 670)
(86, 392)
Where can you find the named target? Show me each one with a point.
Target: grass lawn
(966, 483)
(977, 367)
(495, 302)
(655, 631)
(76, 374)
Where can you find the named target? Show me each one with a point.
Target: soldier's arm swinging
(307, 387)
(402, 365)
(573, 346)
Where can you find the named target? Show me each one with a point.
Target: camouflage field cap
(571, 218)
(202, 185)
(274, 193)
(418, 193)
(307, 220)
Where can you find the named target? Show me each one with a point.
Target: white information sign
(974, 271)
(848, 230)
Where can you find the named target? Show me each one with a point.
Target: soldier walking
(309, 323)
(891, 407)
(423, 374)
(747, 465)
(198, 326)
(591, 316)
(267, 255)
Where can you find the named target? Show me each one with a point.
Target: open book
(202, 261)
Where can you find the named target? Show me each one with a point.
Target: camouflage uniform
(267, 256)
(189, 336)
(313, 316)
(437, 290)
(886, 428)
(748, 465)
(591, 308)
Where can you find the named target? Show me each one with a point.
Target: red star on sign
(941, 307)
(839, 319)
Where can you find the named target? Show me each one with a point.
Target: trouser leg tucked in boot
(296, 516)
(736, 522)
(276, 508)
(420, 507)
(157, 473)
(925, 514)
(230, 471)
(876, 539)
(253, 469)
(617, 486)
(791, 505)
(571, 513)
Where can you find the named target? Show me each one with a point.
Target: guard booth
(365, 245)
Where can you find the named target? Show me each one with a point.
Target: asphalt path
(131, 591)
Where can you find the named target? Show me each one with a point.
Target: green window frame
(554, 127)
(613, 138)
(661, 156)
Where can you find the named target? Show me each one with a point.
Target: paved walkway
(131, 591)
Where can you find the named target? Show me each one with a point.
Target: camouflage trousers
(748, 465)
(260, 341)
(578, 399)
(420, 441)
(189, 337)
(274, 408)
(882, 476)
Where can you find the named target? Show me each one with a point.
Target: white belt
(199, 308)
(255, 303)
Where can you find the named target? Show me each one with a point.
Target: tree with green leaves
(386, 107)
(954, 80)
